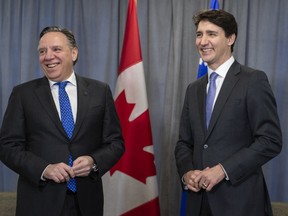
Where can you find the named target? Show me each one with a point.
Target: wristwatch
(94, 168)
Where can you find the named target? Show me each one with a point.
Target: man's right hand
(59, 172)
(189, 179)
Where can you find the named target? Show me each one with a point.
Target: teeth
(206, 49)
(51, 65)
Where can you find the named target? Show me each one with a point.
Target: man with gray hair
(60, 133)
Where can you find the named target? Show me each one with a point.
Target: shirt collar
(71, 79)
(222, 69)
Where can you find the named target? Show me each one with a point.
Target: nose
(48, 55)
(203, 40)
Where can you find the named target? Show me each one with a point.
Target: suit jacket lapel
(230, 81)
(43, 92)
(201, 94)
(83, 103)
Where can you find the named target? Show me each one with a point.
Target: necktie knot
(213, 77)
(62, 85)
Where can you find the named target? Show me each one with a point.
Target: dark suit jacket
(244, 134)
(32, 137)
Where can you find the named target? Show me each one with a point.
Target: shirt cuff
(42, 175)
(184, 183)
(226, 175)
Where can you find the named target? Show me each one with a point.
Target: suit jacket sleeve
(112, 141)
(185, 148)
(13, 141)
(264, 124)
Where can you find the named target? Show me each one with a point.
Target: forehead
(53, 39)
(205, 25)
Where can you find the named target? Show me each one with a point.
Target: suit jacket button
(205, 146)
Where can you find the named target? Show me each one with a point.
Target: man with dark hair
(60, 133)
(229, 128)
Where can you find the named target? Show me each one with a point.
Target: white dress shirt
(221, 71)
(71, 90)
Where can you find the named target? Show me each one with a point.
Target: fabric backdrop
(170, 63)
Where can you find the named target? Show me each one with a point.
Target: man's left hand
(210, 177)
(83, 165)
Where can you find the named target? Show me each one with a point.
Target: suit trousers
(71, 206)
(205, 207)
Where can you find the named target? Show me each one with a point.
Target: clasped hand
(204, 179)
(62, 172)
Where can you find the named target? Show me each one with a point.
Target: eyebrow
(208, 31)
(54, 46)
(211, 31)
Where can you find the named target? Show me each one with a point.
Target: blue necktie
(210, 97)
(67, 123)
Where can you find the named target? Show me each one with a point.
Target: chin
(53, 76)
(205, 59)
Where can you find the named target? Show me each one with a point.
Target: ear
(231, 39)
(74, 53)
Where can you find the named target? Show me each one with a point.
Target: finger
(60, 173)
(77, 161)
(193, 186)
(204, 185)
(55, 179)
(209, 188)
(65, 176)
(199, 181)
(57, 172)
(66, 171)
(82, 171)
(194, 189)
(70, 172)
(202, 179)
(198, 178)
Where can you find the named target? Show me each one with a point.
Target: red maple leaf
(135, 162)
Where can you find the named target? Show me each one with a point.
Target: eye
(41, 51)
(198, 35)
(212, 34)
(57, 49)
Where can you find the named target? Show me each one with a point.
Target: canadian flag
(130, 188)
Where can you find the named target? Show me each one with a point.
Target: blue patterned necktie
(210, 97)
(67, 123)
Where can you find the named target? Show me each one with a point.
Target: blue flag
(214, 4)
(202, 70)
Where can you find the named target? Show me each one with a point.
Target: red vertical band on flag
(131, 49)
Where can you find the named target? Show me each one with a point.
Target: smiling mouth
(205, 50)
(51, 65)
